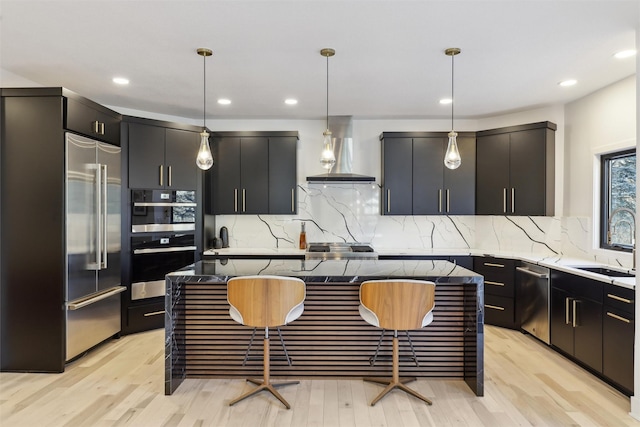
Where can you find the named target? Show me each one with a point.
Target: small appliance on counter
(339, 250)
(224, 237)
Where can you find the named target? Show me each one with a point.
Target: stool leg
(284, 347)
(395, 380)
(265, 384)
(413, 351)
(246, 354)
(372, 360)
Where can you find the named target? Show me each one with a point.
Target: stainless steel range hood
(342, 129)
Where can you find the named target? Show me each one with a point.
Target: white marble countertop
(559, 263)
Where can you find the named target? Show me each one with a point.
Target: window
(618, 200)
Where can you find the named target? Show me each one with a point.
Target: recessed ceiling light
(120, 81)
(291, 101)
(445, 101)
(569, 82)
(625, 53)
(224, 101)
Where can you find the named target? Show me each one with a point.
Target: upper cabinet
(162, 157)
(93, 121)
(415, 180)
(515, 170)
(253, 173)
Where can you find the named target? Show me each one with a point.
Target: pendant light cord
(204, 94)
(452, 92)
(327, 92)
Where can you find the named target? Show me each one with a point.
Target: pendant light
(452, 158)
(205, 158)
(328, 157)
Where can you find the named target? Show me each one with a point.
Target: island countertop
(330, 339)
(219, 270)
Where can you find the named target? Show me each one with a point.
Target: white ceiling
(389, 61)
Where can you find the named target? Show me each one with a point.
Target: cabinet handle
(490, 264)
(575, 313)
(161, 177)
(169, 177)
(448, 201)
(513, 200)
(617, 298)
(489, 282)
(235, 200)
(439, 200)
(154, 313)
(388, 200)
(293, 208)
(244, 199)
(566, 311)
(495, 307)
(101, 129)
(95, 127)
(504, 200)
(615, 316)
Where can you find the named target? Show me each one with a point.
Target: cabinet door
(561, 331)
(146, 156)
(225, 176)
(588, 333)
(397, 176)
(181, 149)
(282, 176)
(492, 178)
(254, 175)
(88, 121)
(459, 196)
(617, 347)
(527, 173)
(428, 172)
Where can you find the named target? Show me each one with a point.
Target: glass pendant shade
(452, 158)
(205, 158)
(327, 158)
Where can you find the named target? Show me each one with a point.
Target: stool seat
(398, 305)
(263, 302)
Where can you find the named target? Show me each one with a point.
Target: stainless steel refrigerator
(93, 280)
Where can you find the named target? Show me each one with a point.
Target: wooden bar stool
(264, 302)
(397, 305)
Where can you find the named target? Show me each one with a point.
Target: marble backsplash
(351, 213)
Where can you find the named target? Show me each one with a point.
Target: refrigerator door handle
(78, 304)
(103, 218)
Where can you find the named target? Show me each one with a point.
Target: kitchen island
(330, 339)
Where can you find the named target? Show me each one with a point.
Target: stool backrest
(399, 304)
(265, 300)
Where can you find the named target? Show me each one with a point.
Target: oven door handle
(164, 250)
(165, 204)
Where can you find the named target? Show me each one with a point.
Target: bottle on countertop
(303, 237)
(224, 237)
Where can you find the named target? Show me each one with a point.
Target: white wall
(602, 121)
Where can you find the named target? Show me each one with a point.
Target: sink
(605, 271)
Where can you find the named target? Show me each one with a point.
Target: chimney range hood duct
(341, 129)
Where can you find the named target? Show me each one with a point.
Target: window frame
(605, 197)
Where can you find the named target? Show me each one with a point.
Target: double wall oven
(162, 241)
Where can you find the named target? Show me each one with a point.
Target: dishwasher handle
(533, 273)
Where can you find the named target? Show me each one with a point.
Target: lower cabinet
(618, 331)
(576, 318)
(499, 291)
(145, 317)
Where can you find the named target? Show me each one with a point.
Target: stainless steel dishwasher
(532, 297)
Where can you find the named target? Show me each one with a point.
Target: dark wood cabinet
(162, 157)
(282, 176)
(618, 332)
(253, 173)
(499, 289)
(415, 180)
(515, 170)
(92, 121)
(576, 318)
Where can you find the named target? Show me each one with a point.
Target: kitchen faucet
(632, 228)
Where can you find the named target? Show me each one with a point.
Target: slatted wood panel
(329, 340)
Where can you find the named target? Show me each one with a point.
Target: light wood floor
(121, 384)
